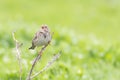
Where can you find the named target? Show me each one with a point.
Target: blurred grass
(86, 16)
(86, 30)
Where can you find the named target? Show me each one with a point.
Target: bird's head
(45, 28)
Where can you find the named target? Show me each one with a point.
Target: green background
(87, 31)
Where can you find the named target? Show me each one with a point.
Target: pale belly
(43, 41)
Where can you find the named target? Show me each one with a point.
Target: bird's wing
(35, 37)
(39, 33)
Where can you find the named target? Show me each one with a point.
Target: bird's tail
(32, 47)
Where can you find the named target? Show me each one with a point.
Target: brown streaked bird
(42, 37)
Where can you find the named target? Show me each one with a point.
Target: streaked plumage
(42, 37)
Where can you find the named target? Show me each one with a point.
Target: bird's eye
(42, 27)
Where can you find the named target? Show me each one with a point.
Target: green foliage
(87, 31)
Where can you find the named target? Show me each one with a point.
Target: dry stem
(55, 57)
(35, 61)
(18, 55)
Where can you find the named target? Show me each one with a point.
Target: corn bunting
(42, 37)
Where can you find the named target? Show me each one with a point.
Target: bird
(42, 37)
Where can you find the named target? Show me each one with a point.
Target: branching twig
(55, 57)
(35, 61)
(18, 55)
